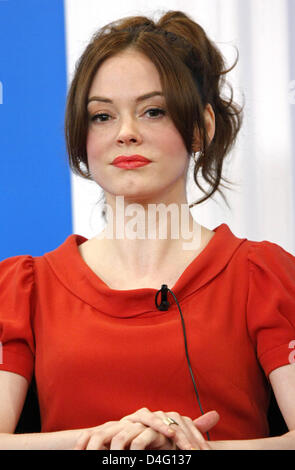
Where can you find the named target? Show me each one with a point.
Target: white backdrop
(262, 163)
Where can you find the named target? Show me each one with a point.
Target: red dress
(99, 354)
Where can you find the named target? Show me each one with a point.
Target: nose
(129, 133)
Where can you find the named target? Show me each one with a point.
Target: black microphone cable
(164, 305)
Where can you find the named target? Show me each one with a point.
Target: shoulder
(270, 258)
(17, 268)
(17, 279)
(267, 248)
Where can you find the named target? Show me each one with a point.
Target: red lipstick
(130, 162)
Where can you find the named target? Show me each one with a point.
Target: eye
(104, 117)
(99, 117)
(158, 111)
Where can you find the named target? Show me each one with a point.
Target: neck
(142, 237)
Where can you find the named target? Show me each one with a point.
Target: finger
(101, 436)
(207, 421)
(180, 436)
(123, 438)
(187, 436)
(151, 419)
(82, 441)
(96, 443)
(197, 437)
(152, 440)
(183, 438)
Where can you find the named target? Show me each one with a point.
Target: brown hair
(191, 70)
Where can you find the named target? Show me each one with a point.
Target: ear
(209, 117)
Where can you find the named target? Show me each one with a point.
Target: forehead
(127, 70)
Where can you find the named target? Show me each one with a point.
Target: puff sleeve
(16, 311)
(271, 304)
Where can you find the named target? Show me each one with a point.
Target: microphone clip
(164, 305)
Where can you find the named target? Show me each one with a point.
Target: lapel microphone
(164, 305)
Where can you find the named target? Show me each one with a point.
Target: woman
(195, 323)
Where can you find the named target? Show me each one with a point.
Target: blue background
(35, 191)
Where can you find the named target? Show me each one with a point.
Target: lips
(130, 158)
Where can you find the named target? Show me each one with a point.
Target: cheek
(91, 144)
(172, 140)
(94, 148)
(175, 149)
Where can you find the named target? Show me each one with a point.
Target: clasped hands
(147, 430)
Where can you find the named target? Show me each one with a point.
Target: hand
(119, 435)
(186, 435)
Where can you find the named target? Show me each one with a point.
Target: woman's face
(126, 125)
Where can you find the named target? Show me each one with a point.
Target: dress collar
(72, 271)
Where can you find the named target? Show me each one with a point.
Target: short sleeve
(271, 304)
(17, 347)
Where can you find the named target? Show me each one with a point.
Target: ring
(170, 421)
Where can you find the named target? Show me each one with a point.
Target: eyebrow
(139, 99)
